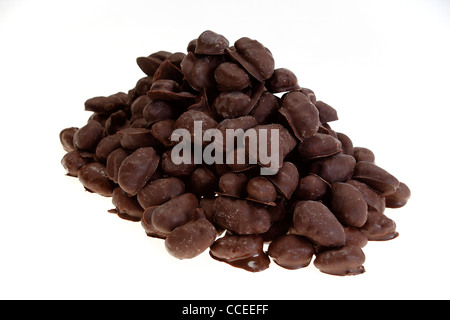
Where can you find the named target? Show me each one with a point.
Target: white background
(384, 65)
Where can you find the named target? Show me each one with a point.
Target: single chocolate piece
(261, 190)
(400, 197)
(336, 168)
(266, 110)
(244, 123)
(137, 107)
(363, 154)
(175, 212)
(66, 138)
(150, 64)
(88, 136)
(135, 138)
(187, 121)
(212, 43)
(176, 170)
(127, 207)
(291, 251)
(203, 182)
(231, 105)
(73, 161)
(117, 121)
(348, 204)
(241, 251)
(136, 169)
(375, 177)
(158, 191)
(315, 221)
(107, 145)
(326, 112)
(191, 239)
(311, 187)
(344, 261)
(147, 224)
(318, 146)
(378, 227)
(309, 94)
(162, 131)
(231, 77)
(347, 144)
(108, 104)
(168, 70)
(355, 237)
(93, 177)
(241, 216)
(286, 180)
(199, 71)
(254, 57)
(373, 199)
(113, 162)
(168, 90)
(158, 110)
(282, 80)
(301, 114)
(233, 184)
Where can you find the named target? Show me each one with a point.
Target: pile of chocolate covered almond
(325, 198)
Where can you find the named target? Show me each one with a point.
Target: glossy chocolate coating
(66, 138)
(88, 136)
(127, 207)
(158, 191)
(241, 216)
(113, 162)
(336, 168)
(210, 42)
(318, 146)
(233, 184)
(231, 105)
(373, 199)
(107, 145)
(231, 77)
(282, 80)
(73, 161)
(291, 251)
(107, 104)
(348, 204)
(199, 71)
(378, 227)
(363, 154)
(262, 190)
(241, 251)
(315, 221)
(301, 114)
(136, 170)
(344, 261)
(266, 110)
(375, 177)
(158, 110)
(94, 179)
(254, 57)
(311, 187)
(175, 212)
(191, 239)
(286, 180)
(400, 197)
(326, 112)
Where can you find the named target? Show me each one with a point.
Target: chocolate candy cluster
(327, 198)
